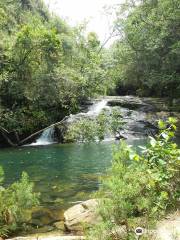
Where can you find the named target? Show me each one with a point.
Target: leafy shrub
(95, 129)
(140, 189)
(15, 201)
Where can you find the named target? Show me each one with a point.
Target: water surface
(62, 173)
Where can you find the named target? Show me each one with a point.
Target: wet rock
(129, 102)
(45, 216)
(59, 226)
(43, 229)
(36, 223)
(156, 104)
(139, 114)
(81, 214)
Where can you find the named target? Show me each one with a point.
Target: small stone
(59, 225)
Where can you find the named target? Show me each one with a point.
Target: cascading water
(46, 138)
(96, 108)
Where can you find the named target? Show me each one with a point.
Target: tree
(147, 52)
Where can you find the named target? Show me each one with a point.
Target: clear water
(63, 174)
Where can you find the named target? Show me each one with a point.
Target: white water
(46, 138)
(96, 108)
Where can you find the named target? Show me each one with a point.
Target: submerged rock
(81, 214)
(44, 216)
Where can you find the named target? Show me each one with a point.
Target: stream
(65, 174)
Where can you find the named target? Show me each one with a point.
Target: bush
(95, 129)
(140, 189)
(15, 201)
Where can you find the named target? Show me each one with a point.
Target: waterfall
(96, 108)
(46, 138)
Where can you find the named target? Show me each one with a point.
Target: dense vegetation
(146, 55)
(91, 129)
(15, 202)
(140, 188)
(47, 68)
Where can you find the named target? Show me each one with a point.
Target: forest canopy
(146, 55)
(48, 68)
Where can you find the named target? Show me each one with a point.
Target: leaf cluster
(95, 129)
(15, 201)
(140, 188)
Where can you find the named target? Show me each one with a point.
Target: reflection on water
(62, 173)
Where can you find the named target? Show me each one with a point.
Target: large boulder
(81, 214)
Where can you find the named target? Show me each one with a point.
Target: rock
(59, 225)
(83, 213)
(43, 216)
(48, 237)
(169, 229)
(129, 102)
(119, 232)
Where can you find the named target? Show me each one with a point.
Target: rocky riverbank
(139, 115)
(72, 226)
(84, 215)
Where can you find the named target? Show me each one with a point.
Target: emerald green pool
(63, 174)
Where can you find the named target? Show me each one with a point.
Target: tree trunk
(5, 133)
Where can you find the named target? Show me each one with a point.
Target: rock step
(48, 238)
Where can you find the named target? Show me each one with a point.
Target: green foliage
(15, 201)
(95, 129)
(146, 56)
(46, 66)
(82, 131)
(25, 119)
(140, 189)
